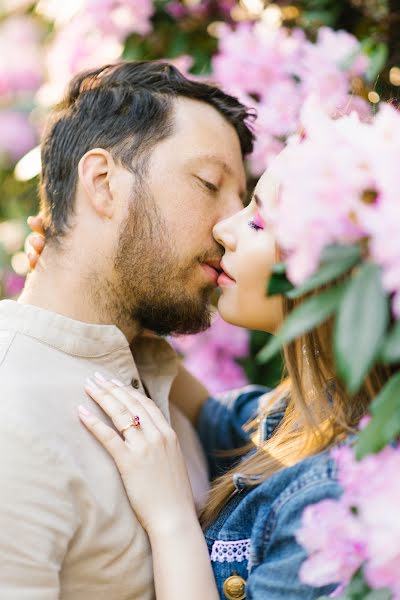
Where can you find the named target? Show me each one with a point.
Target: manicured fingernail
(117, 382)
(91, 385)
(84, 411)
(100, 377)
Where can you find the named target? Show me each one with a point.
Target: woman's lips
(224, 279)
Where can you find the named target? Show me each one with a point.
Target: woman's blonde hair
(320, 412)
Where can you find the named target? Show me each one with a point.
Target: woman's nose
(223, 234)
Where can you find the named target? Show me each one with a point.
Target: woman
(255, 507)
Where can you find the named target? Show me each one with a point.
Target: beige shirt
(67, 529)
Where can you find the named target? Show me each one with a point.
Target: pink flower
(350, 193)
(334, 541)
(13, 284)
(17, 136)
(253, 57)
(176, 9)
(76, 47)
(121, 17)
(279, 110)
(343, 49)
(21, 62)
(360, 528)
(210, 355)
(276, 69)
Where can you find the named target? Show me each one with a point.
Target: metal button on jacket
(235, 588)
(135, 384)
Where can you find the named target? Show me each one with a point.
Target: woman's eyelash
(257, 222)
(254, 225)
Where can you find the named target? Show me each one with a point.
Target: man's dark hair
(126, 108)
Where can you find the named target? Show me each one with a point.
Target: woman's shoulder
(310, 480)
(240, 405)
(257, 529)
(310, 473)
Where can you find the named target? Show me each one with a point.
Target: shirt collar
(148, 357)
(87, 340)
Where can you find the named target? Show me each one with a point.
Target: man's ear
(94, 171)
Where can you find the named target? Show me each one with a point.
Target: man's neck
(59, 286)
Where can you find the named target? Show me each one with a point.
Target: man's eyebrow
(216, 159)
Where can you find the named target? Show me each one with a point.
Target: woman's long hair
(320, 411)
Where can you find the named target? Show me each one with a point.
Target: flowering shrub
(361, 529)
(274, 69)
(45, 42)
(21, 62)
(17, 136)
(347, 215)
(351, 195)
(212, 355)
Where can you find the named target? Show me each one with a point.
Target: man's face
(166, 251)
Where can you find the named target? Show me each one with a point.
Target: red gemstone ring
(134, 422)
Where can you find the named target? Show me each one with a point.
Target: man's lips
(213, 269)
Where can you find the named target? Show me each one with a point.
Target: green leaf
(279, 268)
(305, 317)
(357, 588)
(382, 594)
(360, 326)
(390, 351)
(378, 56)
(278, 284)
(335, 261)
(384, 426)
(268, 374)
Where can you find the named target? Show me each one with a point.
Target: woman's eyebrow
(257, 200)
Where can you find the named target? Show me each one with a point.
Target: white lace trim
(230, 551)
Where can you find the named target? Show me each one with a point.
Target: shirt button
(235, 588)
(135, 383)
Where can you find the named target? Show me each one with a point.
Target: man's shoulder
(18, 354)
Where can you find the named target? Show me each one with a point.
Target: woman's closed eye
(256, 222)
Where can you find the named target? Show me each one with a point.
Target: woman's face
(250, 254)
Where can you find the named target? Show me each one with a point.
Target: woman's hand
(148, 455)
(35, 240)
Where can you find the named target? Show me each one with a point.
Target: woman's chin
(230, 313)
(266, 319)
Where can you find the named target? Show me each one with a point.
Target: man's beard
(151, 286)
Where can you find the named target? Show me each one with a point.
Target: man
(138, 165)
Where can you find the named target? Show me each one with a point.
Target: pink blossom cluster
(274, 69)
(338, 184)
(359, 529)
(21, 61)
(21, 73)
(121, 17)
(12, 284)
(91, 37)
(202, 8)
(211, 355)
(17, 136)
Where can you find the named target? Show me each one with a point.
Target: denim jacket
(254, 535)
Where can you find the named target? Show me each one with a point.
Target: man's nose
(233, 206)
